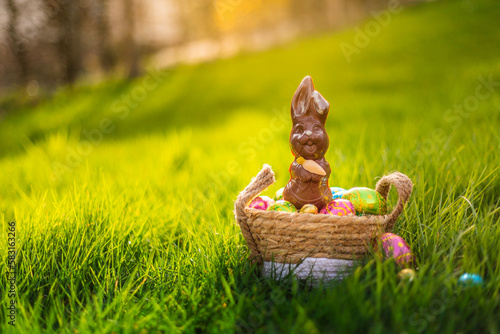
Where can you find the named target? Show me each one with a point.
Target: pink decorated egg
(396, 247)
(261, 203)
(339, 207)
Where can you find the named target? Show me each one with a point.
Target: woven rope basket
(285, 237)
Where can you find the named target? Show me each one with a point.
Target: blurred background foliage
(46, 43)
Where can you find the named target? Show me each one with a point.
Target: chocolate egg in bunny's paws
(309, 172)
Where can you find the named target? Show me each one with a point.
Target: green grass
(137, 234)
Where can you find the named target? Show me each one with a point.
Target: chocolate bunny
(309, 172)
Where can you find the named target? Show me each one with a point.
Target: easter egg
(279, 194)
(282, 205)
(396, 247)
(366, 200)
(337, 192)
(406, 275)
(339, 207)
(261, 203)
(309, 208)
(335, 189)
(470, 280)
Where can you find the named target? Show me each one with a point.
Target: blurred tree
(132, 53)
(54, 41)
(68, 19)
(16, 41)
(106, 55)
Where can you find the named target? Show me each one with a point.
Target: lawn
(122, 192)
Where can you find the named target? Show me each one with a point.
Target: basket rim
(379, 220)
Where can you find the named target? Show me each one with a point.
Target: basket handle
(403, 185)
(258, 184)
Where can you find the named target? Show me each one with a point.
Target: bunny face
(309, 110)
(309, 139)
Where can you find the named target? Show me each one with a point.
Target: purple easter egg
(396, 247)
(261, 203)
(339, 207)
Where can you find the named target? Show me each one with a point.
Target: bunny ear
(302, 98)
(321, 105)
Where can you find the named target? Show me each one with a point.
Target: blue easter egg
(337, 192)
(470, 280)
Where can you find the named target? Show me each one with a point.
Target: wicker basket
(285, 237)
